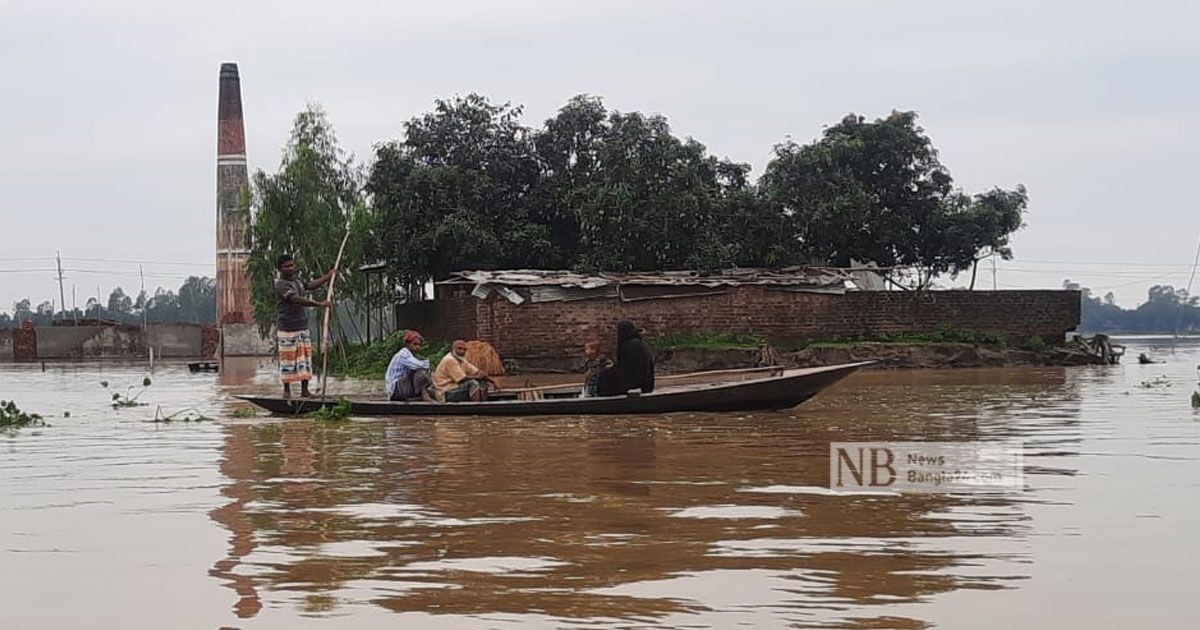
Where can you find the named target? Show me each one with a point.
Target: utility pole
(145, 328)
(62, 299)
(993, 271)
(143, 296)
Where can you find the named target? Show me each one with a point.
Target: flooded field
(680, 521)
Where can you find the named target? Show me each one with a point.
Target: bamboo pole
(329, 311)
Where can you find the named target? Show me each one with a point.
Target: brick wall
(556, 329)
(24, 344)
(451, 316)
(6, 345)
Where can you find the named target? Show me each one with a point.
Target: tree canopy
(877, 192)
(469, 186)
(303, 211)
(196, 303)
(1166, 310)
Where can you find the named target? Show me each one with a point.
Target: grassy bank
(712, 340)
(731, 341)
(937, 337)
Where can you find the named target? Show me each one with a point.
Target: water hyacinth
(12, 417)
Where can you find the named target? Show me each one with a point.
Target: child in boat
(593, 363)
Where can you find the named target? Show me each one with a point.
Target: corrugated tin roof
(786, 277)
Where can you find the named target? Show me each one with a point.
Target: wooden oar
(328, 312)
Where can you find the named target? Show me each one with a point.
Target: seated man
(456, 380)
(408, 376)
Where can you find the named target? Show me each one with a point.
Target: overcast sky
(108, 110)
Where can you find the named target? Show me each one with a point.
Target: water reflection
(655, 520)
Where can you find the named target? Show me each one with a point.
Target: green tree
(163, 307)
(1166, 310)
(22, 311)
(876, 192)
(198, 300)
(469, 187)
(621, 192)
(757, 231)
(653, 201)
(568, 149)
(989, 220)
(120, 305)
(304, 210)
(93, 308)
(456, 192)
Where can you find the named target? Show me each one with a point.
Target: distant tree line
(195, 302)
(1166, 310)
(469, 186)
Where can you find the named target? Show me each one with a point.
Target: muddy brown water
(679, 521)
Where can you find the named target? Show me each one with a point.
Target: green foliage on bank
(706, 339)
(943, 335)
(938, 336)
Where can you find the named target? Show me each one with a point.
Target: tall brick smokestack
(233, 245)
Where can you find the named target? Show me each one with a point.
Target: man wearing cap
(407, 376)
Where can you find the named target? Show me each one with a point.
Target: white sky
(108, 110)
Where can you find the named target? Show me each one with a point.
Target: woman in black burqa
(634, 368)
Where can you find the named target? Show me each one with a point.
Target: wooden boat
(204, 366)
(783, 390)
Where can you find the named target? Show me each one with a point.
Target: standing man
(295, 344)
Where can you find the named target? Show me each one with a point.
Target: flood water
(678, 521)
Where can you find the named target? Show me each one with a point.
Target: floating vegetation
(245, 412)
(1195, 400)
(184, 415)
(1158, 381)
(11, 417)
(126, 400)
(332, 413)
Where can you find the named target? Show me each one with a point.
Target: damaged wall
(559, 329)
(107, 342)
(243, 340)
